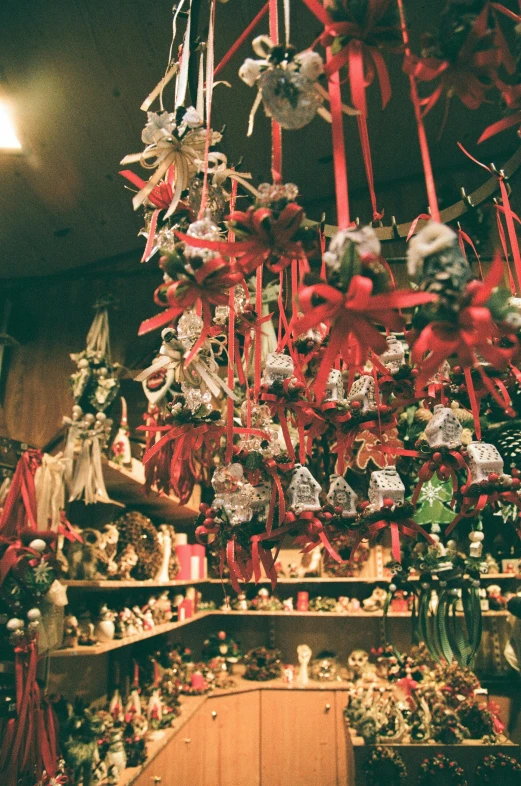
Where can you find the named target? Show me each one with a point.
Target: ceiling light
(9, 141)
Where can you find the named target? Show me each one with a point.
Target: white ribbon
(205, 368)
(98, 337)
(169, 151)
(182, 79)
(49, 486)
(87, 480)
(220, 171)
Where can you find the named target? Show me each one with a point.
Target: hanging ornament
(172, 139)
(286, 82)
(121, 451)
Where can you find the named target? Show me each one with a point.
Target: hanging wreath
(499, 769)
(440, 769)
(385, 765)
(262, 664)
(136, 530)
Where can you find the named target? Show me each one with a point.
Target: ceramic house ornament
(278, 368)
(394, 355)
(334, 386)
(386, 483)
(483, 459)
(444, 429)
(362, 390)
(341, 495)
(304, 490)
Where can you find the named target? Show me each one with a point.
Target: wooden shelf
(354, 579)
(100, 649)
(104, 584)
(127, 485)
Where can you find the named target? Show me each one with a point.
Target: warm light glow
(8, 138)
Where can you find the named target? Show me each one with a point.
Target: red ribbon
(473, 333)
(314, 533)
(270, 240)
(353, 318)
(460, 77)
(210, 287)
(408, 528)
(19, 511)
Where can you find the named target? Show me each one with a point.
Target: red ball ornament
(444, 474)
(515, 472)
(388, 502)
(493, 477)
(208, 522)
(437, 457)
(457, 369)
(356, 405)
(338, 509)
(327, 515)
(516, 483)
(221, 635)
(211, 513)
(203, 507)
(414, 372)
(363, 505)
(384, 409)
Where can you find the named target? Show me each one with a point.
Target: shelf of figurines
(157, 630)
(107, 584)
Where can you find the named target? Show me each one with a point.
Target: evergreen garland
(439, 769)
(499, 769)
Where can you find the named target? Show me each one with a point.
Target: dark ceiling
(76, 72)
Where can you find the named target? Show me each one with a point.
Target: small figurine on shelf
(105, 628)
(71, 631)
(165, 542)
(162, 610)
(127, 561)
(86, 637)
(116, 758)
(376, 600)
(358, 665)
(304, 656)
(241, 602)
(263, 601)
(288, 604)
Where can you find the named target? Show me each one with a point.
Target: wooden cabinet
(299, 738)
(180, 763)
(232, 740)
(259, 738)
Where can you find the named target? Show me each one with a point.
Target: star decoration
(42, 572)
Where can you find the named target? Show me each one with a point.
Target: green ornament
(433, 503)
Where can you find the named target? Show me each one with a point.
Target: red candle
(197, 681)
(302, 601)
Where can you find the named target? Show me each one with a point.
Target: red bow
(161, 197)
(313, 533)
(469, 75)
(473, 334)
(19, 510)
(210, 286)
(353, 318)
(407, 527)
(270, 240)
(183, 443)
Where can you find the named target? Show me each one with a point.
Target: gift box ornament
(303, 491)
(341, 495)
(444, 429)
(484, 460)
(386, 484)
(278, 368)
(334, 390)
(362, 394)
(394, 356)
